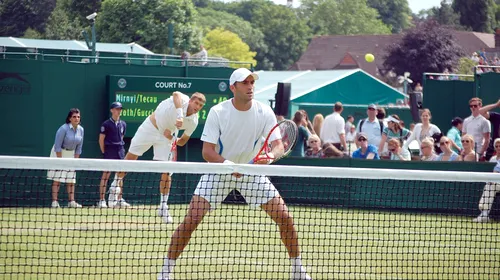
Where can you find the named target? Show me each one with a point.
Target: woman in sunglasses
(427, 148)
(68, 144)
(447, 153)
(314, 144)
(468, 153)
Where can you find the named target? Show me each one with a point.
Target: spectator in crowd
(418, 88)
(329, 151)
(351, 139)
(304, 134)
(494, 119)
(365, 151)
(490, 191)
(397, 152)
(349, 122)
(477, 126)
(318, 123)
(468, 153)
(309, 123)
(381, 115)
(412, 126)
(185, 57)
(427, 148)
(475, 57)
(454, 134)
(314, 144)
(68, 144)
(423, 129)
(447, 154)
(393, 130)
(496, 156)
(333, 129)
(371, 126)
(111, 144)
(202, 55)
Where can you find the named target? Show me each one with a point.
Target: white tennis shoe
(102, 204)
(122, 203)
(113, 196)
(481, 219)
(74, 204)
(163, 212)
(300, 275)
(55, 204)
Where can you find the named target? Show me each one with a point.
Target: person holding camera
(398, 152)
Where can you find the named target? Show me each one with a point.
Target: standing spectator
(68, 144)
(314, 144)
(454, 134)
(300, 120)
(427, 148)
(397, 152)
(381, 115)
(351, 140)
(371, 126)
(111, 144)
(490, 191)
(202, 55)
(318, 123)
(333, 129)
(365, 151)
(393, 130)
(349, 122)
(309, 123)
(494, 119)
(468, 153)
(447, 154)
(423, 129)
(418, 88)
(478, 126)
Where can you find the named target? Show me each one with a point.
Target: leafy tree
(445, 15)
(394, 13)
(17, 16)
(466, 66)
(220, 42)
(286, 35)
(81, 9)
(329, 18)
(479, 15)
(146, 22)
(210, 19)
(427, 47)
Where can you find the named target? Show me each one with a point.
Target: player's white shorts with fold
(146, 136)
(256, 190)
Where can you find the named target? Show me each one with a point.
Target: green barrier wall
(37, 95)
(487, 87)
(30, 188)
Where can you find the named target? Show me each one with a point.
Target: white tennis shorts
(62, 176)
(146, 136)
(257, 190)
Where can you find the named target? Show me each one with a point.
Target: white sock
(164, 198)
(168, 267)
(296, 264)
(485, 213)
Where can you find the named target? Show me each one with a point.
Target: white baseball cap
(240, 74)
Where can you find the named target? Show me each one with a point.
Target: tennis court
(236, 242)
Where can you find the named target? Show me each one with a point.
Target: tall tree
(209, 19)
(479, 15)
(428, 47)
(223, 43)
(17, 16)
(394, 13)
(445, 15)
(146, 22)
(328, 17)
(286, 35)
(81, 9)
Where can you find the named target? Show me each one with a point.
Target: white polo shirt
(372, 130)
(166, 115)
(333, 126)
(476, 126)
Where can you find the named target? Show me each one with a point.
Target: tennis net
(352, 223)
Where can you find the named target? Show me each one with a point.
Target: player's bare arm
(277, 150)
(177, 97)
(183, 140)
(209, 153)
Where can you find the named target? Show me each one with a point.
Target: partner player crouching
(179, 112)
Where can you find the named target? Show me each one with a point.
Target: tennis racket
(285, 130)
(172, 156)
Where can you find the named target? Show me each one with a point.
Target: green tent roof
(71, 45)
(352, 87)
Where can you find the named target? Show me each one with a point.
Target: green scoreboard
(140, 95)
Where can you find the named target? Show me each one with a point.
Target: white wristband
(228, 162)
(180, 113)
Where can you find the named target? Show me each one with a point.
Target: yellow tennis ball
(369, 57)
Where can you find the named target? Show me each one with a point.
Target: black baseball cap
(116, 105)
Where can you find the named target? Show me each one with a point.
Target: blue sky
(415, 5)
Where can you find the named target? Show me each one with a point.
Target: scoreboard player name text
(136, 98)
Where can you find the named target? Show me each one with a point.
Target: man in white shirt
(371, 126)
(179, 112)
(333, 128)
(231, 130)
(477, 126)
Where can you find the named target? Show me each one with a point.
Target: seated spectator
(427, 148)
(447, 154)
(365, 150)
(314, 144)
(454, 134)
(468, 153)
(496, 145)
(397, 152)
(330, 151)
(301, 122)
(318, 123)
